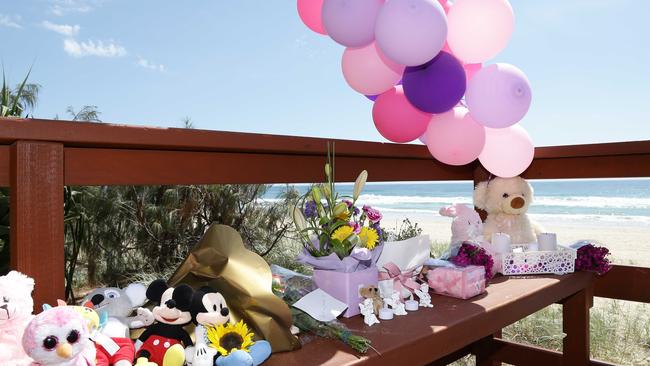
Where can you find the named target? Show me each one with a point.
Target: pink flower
(355, 226)
(373, 215)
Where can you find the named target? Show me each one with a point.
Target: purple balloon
(437, 86)
(411, 32)
(351, 22)
(498, 96)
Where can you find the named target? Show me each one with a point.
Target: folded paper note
(321, 306)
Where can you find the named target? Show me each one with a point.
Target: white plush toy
(506, 201)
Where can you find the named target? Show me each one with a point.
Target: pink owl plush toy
(16, 306)
(59, 337)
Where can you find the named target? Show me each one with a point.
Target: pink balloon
(479, 29)
(454, 138)
(396, 119)
(310, 14)
(368, 71)
(471, 70)
(507, 152)
(498, 96)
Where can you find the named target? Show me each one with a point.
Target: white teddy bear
(506, 201)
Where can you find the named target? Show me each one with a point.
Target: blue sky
(253, 66)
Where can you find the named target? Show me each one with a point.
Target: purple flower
(593, 258)
(473, 255)
(373, 215)
(310, 209)
(355, 210)
(355, 226)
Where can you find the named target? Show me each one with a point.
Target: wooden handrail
(38, 157)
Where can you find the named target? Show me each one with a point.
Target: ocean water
(607, 200)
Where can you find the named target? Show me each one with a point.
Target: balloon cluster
(421, 62)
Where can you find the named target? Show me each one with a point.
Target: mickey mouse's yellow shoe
(175, 356)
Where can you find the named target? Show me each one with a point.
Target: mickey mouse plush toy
(163, 342)
(209, 309)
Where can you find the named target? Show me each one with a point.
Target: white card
(109, 345)
(321, 306)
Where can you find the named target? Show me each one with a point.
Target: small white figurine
(396, 303)
(423, 295)
(368, 311)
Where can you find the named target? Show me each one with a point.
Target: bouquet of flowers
(329, 224)
(593, 258)
(470, 254)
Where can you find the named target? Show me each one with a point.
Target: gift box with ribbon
(459, 282)
(400, 262)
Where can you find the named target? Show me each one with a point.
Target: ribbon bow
(400, 279)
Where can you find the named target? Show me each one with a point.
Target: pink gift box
(344, 286)
(459, 282)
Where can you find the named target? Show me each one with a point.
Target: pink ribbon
(400, 279)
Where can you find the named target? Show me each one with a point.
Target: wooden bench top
(429, 334)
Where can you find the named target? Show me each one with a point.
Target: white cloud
(11, 21)
(65, 29)
(150, 65)
(93, 48)
(62, 7)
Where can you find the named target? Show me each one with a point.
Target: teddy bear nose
(225, 311)
(517, 203)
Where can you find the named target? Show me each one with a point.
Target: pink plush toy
(16, 306)
(59, 336)
(466, 226)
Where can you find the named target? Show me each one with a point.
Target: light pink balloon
(396, 119)
(454, 138)
(479, 29)
(310, 14)
(368, 71)
(471, 70)
(507, 152)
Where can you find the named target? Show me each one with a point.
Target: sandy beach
(629, 243)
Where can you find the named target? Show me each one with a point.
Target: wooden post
(37, 231)
(575, 324)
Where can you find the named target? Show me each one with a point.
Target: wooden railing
(39, 157)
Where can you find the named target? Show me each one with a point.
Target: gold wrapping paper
(221, 261)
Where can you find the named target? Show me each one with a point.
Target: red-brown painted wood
(495, 351)
(625, 283)
(5, 164)
(575, 324)
(429, 334)
(37, 235)
(110, 166)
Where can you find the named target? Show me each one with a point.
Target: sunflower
(342, 233)
(227, 338)
(369, 237)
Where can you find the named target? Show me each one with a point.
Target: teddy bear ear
(21, 280)
(480, 195)
(449, 211)
(137, 293)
